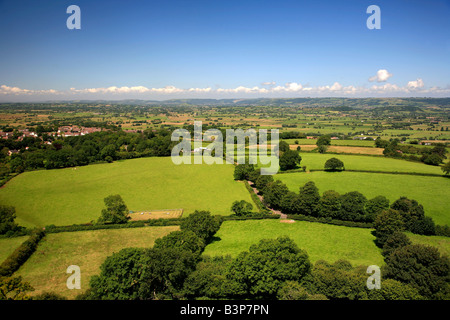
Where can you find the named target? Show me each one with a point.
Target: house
(11, 152)
(201, 149)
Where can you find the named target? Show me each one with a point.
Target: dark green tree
(386, 223)
(380, 143)
(14, 288)
(446, 168)
(243, 171)
(375, 206)
(7, 217)
(261, 271)
(394, 241)
(322, 148)
(290, 203)
(208, 279)
(120, 276)
(334, 164)
(263, 181)
(336, 281)
(395, 290)
(274, 193)
(422, 267)
(410, 210)
(184, 240)
(432, 159)
(323, 140)
(283, 146)
(353, 206)
(108, 151)
(330, 205)
(165, 271)
(116, 210)
(289, 160)
(309, 199)
(203, 224)
(242, 208)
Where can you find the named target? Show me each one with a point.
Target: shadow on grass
(214, 239)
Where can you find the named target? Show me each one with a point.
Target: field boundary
(343, 223)
(369, 171)
(21, 254)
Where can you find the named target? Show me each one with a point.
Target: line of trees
(82, 150)
(431, 156)
(271, 269)
(351, 206)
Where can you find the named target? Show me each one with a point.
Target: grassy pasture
(8, 245)
(361, 162)
(321, 241)
(442, 243)
(352, 143)
(431, 192)
(68, 196)
(46, 268)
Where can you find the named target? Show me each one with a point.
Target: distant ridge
(342, 103)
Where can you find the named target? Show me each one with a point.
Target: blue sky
(223, 49)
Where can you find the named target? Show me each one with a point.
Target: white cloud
(381, 76)
(290, 89)
(7, 90)
(415, 84)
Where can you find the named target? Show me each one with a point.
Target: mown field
(431, 192)
(321, 241)
(69, 196)
(46, 268)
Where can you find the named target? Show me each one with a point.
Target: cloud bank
(291, 89)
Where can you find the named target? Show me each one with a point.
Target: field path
(282, 215)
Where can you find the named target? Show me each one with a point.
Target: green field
(321, 241)
(8, 245)
(372, 163)
(442, 243)
(69, 196)
(46, 268)
(431, 192)
(353, 143)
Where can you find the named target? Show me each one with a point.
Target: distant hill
(339, 104)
